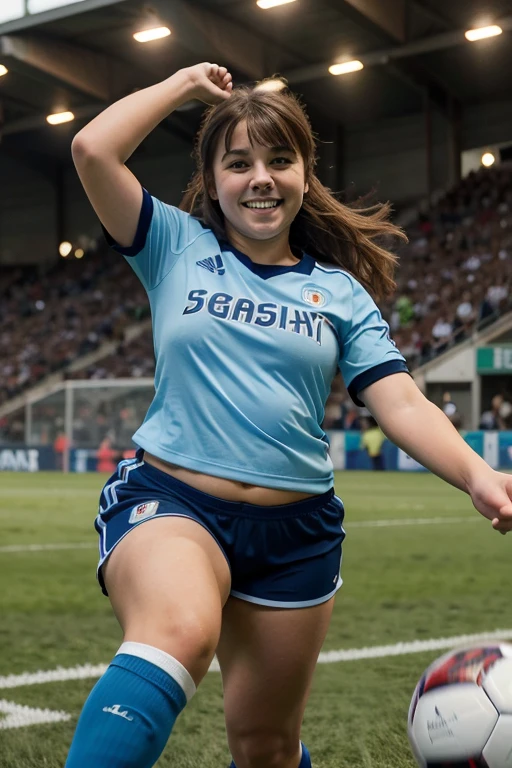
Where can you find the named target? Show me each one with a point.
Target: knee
(193, 631)
(265, 749)
(187, 637)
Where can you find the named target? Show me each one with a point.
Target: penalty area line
(86, 671)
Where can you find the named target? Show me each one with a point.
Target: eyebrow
(246, 152)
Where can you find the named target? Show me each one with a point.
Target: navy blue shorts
(288, 556)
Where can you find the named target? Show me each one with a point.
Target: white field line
(397, 523)
(19, 715)
(53, 676)
(328, 657)
(416, 646)
(54, 493)
(45, 547)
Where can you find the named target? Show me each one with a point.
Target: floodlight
(346, 67)
(12, 9)
(65, 249)
(60, 117)
(487, 159)
(79, 253)
(3, 70)
(146, 35)
(272, 3)
(481, 32)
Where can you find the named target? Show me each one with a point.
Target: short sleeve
(163, 234)
(367, 351)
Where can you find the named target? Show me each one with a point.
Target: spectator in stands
(442, 332)
(449, 407)
(450, 410)
(498, 415)
(464, 317)
(505, 415)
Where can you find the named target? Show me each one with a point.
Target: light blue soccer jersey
(246, 353)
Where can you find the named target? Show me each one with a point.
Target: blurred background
(411, 102)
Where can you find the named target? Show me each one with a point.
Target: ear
(306, 188)
(209, 183)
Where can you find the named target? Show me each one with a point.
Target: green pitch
(403, 582)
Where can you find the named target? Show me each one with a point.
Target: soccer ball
(461, 711)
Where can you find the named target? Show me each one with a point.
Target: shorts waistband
(236, 508)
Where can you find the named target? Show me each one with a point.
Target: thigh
(167, 581)
(267, 658)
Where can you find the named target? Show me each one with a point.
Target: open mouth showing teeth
(266, 204)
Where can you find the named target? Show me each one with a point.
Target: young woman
(224, 534)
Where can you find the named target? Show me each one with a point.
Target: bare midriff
(229, 490)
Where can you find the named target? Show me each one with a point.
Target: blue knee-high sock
(304, 763)
(306, 759)
(130, 712)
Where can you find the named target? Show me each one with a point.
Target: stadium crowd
(49, 319)
(454, 276)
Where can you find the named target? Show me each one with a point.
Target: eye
(281, 160)
(238, 165)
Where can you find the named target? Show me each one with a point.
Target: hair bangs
(265, 126)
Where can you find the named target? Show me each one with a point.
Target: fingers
(502, 525)
(215, 70)
(219, 74)
(218, 84)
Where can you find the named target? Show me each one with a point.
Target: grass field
(446, 575)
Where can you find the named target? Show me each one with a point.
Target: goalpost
(82, 415)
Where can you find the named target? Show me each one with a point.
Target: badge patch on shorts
(142, 511)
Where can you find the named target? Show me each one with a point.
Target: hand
(492, 497)
(209, 83)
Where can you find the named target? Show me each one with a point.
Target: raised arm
(101, 149)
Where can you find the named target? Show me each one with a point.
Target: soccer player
(224, 535)
(372, 440)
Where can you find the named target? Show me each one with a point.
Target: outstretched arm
(422, 430)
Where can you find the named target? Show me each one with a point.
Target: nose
(262, 178)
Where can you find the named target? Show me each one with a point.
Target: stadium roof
(83, 56)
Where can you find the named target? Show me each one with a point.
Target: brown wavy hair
(327, 229)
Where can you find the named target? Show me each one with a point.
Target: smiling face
(259, 188)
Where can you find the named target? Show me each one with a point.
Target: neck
(275, 252)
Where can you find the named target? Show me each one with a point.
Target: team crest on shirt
(143, 511)
(313, 295)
